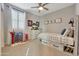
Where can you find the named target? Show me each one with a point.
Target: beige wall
(34, 18)
(30, 16)
(66, 14)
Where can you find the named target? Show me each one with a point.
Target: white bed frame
(57, 41)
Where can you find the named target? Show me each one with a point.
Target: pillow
(63, 31)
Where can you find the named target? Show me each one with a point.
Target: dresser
(34, 34)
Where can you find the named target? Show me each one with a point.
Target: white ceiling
(51, 6)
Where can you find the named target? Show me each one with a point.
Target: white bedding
(56, 38)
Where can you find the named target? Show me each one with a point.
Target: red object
(26, 36)
(12, 37)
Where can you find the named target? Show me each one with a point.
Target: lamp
(40, 8)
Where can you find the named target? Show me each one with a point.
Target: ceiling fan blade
(40, 4)
(45, 8)
(35, 7)
(45, 4)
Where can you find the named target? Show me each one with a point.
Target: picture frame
(53, 21)
(30, 22)
(59, 20)
(37, 23)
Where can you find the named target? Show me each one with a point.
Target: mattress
(56, 38)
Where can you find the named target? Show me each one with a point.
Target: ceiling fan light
(40, 8)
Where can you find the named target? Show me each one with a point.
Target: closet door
(78, 38)
(0, 29)
(1, 26)
(76, 35)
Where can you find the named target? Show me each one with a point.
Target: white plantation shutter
(14, 18)
(21, 20)
(18, 19)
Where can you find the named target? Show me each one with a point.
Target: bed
(47, 37)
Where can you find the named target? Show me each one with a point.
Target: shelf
(60, 47)
(68, 49)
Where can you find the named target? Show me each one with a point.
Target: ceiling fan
(41, 6)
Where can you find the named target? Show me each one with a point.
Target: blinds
(18, 19)
(21, 20)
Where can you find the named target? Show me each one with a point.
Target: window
(14, 19)
(21, 20)
(18, 19)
